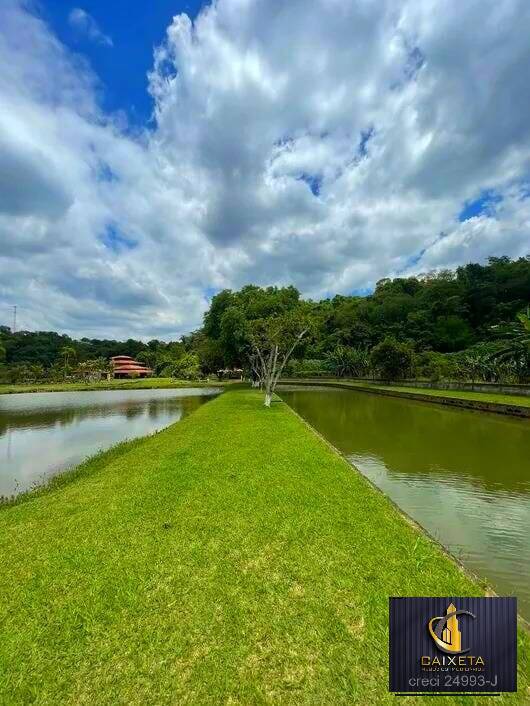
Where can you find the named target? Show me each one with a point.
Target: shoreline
(443, 397)
(487, 588)
(138, 384)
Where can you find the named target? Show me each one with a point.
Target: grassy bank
(232, 558)
(138, 384)
(516, 400)
(493, 398)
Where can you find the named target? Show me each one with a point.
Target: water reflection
(463, 475)
(44, 433)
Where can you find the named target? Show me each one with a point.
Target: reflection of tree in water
(47, 417)
(11, 420)
(419, 438)
(133, 412)
(42, 437)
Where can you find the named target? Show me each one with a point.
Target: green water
(42, 434)
(463, 475)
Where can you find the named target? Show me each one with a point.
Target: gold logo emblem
(446, 633)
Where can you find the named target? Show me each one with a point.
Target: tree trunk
(270, 366)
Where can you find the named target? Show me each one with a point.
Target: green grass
(231, 559)
(518, 401)
(138, 384)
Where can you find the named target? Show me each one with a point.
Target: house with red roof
(126, 367)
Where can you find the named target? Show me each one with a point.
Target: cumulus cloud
(86, 24)
(325, 148)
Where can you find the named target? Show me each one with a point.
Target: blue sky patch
(525, 190)
(362, 291)
(115, 240)
(284, 141)
(414, 259)
(484, 205)
(133, 29)
(411, 261)
(314, 181)
(366, 136)
(105, 173)
(415, 61)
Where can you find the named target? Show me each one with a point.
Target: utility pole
(15, 318)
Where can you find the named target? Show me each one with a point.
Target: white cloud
(393, 114)
(86, 24)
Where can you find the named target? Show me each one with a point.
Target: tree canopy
(442, 317)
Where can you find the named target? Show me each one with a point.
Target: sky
(154, 153)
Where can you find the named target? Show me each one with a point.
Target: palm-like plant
(516, 350)
(345, 361)
(68, 354)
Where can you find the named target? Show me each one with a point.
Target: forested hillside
(468, 324)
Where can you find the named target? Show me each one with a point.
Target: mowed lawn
(230, 559)
(517, 400)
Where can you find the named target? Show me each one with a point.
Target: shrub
(435, 366)
(344, 361)
(391, 359)
(187, 367)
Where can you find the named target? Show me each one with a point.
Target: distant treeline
(43, 347)
(437, 318)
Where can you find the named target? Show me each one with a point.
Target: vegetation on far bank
(493, 397)
(231, 558)
(470, 324)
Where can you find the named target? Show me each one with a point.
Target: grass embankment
(488, 397)
(517, 400)
(232, 558)
(138, 384)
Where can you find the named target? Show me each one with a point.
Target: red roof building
(126, 367)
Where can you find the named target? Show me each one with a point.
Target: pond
(42, 434)
(464, 476)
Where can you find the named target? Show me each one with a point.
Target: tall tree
(68, 354)
(273, 341)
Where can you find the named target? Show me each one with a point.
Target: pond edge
(482, 583)
(473, 405)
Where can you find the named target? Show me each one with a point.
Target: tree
(391, 359)
(68, 354)
(519, 332)
(212, 319)
(234, 335)
(516, 350)
(451, 333)
(187, 367)
(435, 366)
(149, 357)
(210, 354)
(272, 342)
